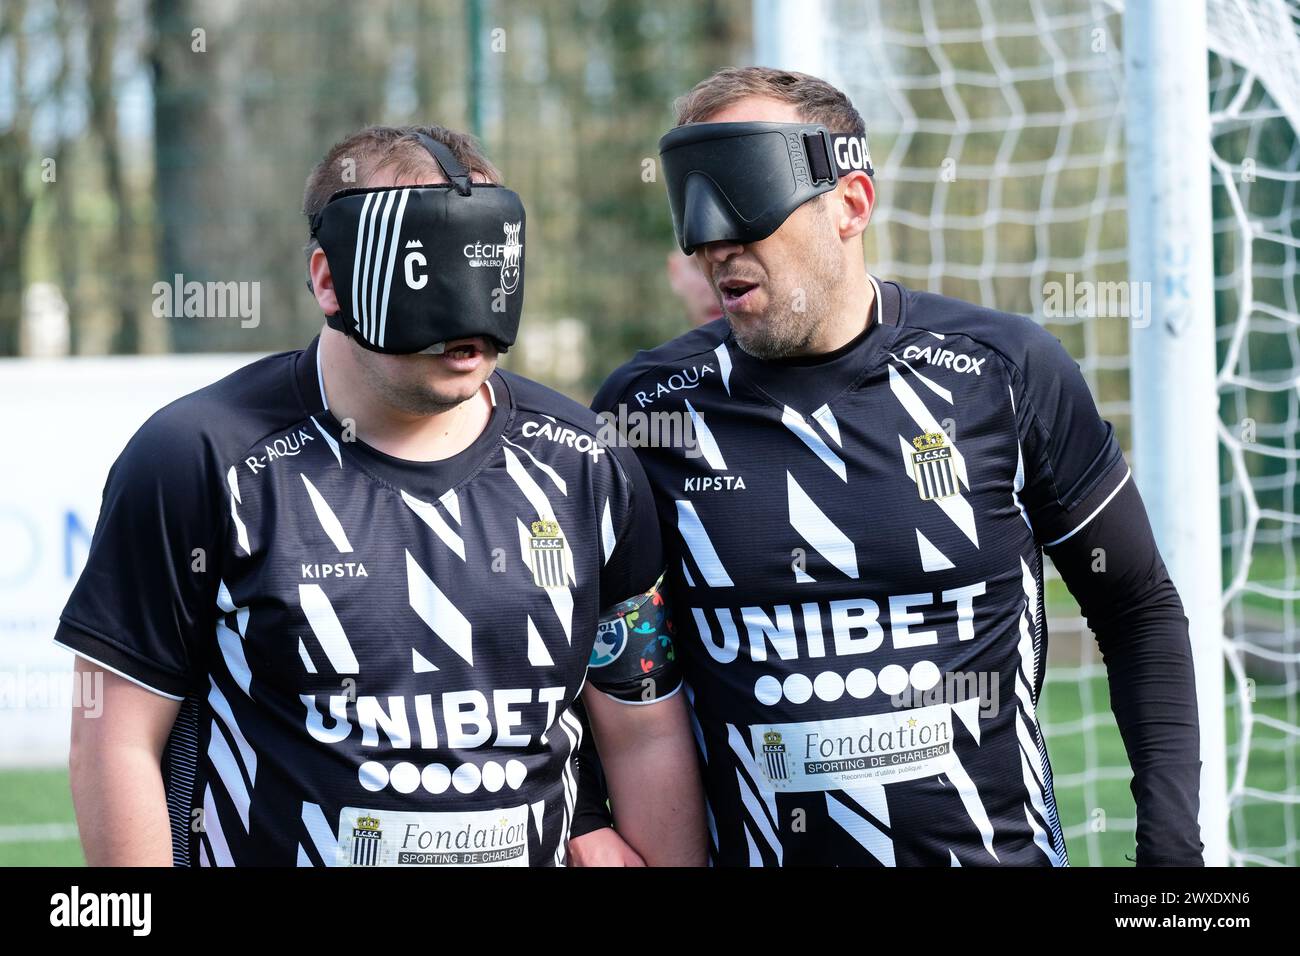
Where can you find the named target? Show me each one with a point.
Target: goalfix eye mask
(415, 267)
(739, 181)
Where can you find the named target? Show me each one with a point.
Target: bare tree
(102, 90)
(16, 197)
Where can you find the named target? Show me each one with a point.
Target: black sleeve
(148, 590)
(1072, 462)
(1114, 570)
(591, 808)
(636, 559)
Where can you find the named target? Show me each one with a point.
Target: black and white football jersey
(378, 659)
(854, 547)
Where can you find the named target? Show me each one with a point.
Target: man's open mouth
(463, 349)
(734, 291)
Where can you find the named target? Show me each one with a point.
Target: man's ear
(857, 194)
(322, 282)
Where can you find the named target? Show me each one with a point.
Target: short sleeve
(632, 545)
(148, 590)
(1072, 462)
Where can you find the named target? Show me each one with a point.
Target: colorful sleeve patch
(634, 658)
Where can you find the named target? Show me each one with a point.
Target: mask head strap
(452, 168)
(842, 152)
(456, 173)
(817, 147)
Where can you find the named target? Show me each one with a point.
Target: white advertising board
(65, 422)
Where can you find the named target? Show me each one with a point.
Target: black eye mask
(415, 267)
(739, 181)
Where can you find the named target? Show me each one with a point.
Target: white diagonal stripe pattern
(392, 258)
(724, 366)
(608, 539)
(539, 811)
(430, 516)
(452, 504)
(328, 629)
(329, 440)
(826, 418)
(541, 504)
(232, 652)
(321, 833)
(932, 559)
(573, 732)
(1033, 760)
(701, 548)
(241, 533)
(819, 531)
(223, 762)
(329, 521)
(765, 814)
(224, 599)
(968, 712)
(1018, 483)
(932, 386)
(377, 255)
(708, 444)
(358, 264)
(221, 707)
(914, 407)
(561, 598)
(538, 655)
(437, 611)
(212, 830)
(556, 478)
(1028, 655)
(307, 662)
(956, 507)
(795, 422)
(868, 836)
(970, 799)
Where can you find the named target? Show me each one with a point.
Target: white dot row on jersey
(437, 778)
(861, 683)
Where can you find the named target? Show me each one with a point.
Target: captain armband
(634, 659)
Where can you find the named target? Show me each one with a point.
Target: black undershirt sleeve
(591, 808)
(1115, 572)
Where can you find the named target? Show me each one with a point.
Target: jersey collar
(805, 384)
(424, 479)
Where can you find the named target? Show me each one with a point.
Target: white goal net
(998, 134)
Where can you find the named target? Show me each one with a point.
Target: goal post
(790, 36)
(1172, 376)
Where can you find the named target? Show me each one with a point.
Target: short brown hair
(817, 100)
(387, 147)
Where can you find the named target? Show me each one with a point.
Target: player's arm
(148, 588)
(651, 775)
(643, 734)
(593, 841)
(119, 730)
(1114, 570)
(1086, 512)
